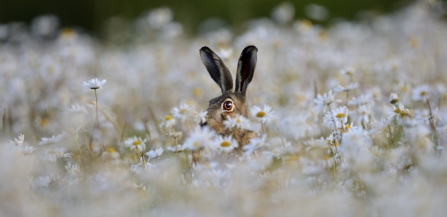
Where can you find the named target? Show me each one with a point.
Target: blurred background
(91, 15)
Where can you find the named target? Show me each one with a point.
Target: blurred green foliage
(91, 14)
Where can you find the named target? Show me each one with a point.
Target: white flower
(363, 114)
(142, 166)
(177, 148)
(225, 53)
(53, 139)
(19, 140)
(26, 150)
(52, 154)
(264, 114)
(394, 98)
(73, 169)
(323, 102)
(336, 119)
(135, 143)
(350, 87)
(110, 153)
(226, 143)
(283, 13)
(254, 144)
(94, 83)
(76, 108)
(349, 71)
(400, 112)
(42, 182)
(168, 122)
(159, 17)
(239, 122)
(365, 99)
(183, 112)
(200, 137)
(154, 153)
(421, 93)
(201, 117)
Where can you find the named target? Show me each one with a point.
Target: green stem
(97, 119)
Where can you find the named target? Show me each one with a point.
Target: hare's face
(230, 103)
(223, 107)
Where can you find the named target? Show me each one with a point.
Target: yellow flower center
(43, 122)
(183, 111)
(397, 110)
(423, 93)
(196, 144)
(196, 92)
(404, 113)
(340, 115)
(306, 24)
(110, 150)
(136, 142)
(67, 33)
(225, 144)
(238, 121)
(260, 114)
(168, 117)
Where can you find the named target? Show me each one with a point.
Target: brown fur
(216, 116)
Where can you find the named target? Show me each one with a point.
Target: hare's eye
(227, 105)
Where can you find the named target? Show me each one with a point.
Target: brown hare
(232, 102)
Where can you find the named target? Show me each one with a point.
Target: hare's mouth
(203, 124)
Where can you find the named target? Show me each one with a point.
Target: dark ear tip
(204, 48)
(250, 48)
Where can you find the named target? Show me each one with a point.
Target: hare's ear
(217, 69)
(246, 68)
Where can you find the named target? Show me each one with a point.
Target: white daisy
(94, 83)
(183, 112)
(399, 112)
(350, 87)
(226, 143)
(365, 99)
(322, 102)
(53, 139)
(264, 114)
(76, 108)
(27, 150)
(135, 143)
(225, 53)
(200, 137)
(348, 71)
(336, 119)
(363, 113)
(177, 148)
(19, 140)
(110, 153)
(52, 154)
(201, 117)
(140, 167)
(154, 153)
(73, 169)
(239, 122)
(168, 122)
(254, 144)
(422, 92)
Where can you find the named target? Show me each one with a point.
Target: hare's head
(231, 102)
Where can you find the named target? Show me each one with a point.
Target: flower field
(349, 119)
